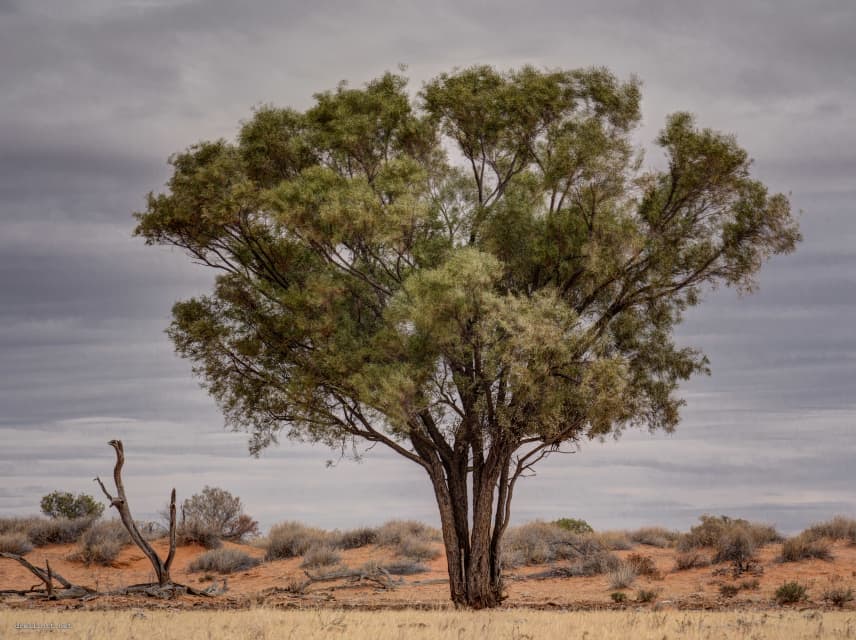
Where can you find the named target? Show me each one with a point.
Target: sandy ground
(265, 584)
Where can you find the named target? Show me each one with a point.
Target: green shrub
(224, 561)
(17, 543)
(62, 504)
(804, 547)
(320, 555)
(790, 592)
(574, 525)
(292, 539)
(618, 597)
(646, 595)
(101, 543)
(838, 595)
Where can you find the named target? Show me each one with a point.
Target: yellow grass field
(517, 624)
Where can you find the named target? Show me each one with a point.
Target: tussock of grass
(622, 576)
(224, 561)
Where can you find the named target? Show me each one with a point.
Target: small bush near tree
(574, 525)
(224, 561)
(791, 592)
(62, 504)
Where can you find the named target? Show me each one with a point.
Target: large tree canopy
(471, 278)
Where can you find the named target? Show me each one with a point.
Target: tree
(62, 504)
(473, 279)
(219, 511)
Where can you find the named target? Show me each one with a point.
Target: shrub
(409, 539)
(614, 540)
(642, 565)
(728, 590)
(752, 584)
(713, 529)
(838, 595)
(690, 560)
(393, 568)
(43, 531)
(224, 561)
(541, 542)
(790, 592)
(646, 595)
(355, 538)
(574, 525)
(654, 536)
(595, 564)
(15, 543)
(16, 525)
(839, 528)
(622, 576)
(320, 555)
(197, 532)
(101, 543)
(292, 539)
(735, 545)
(618, 597)
(219, 511)
(803, 547)
(62, 504)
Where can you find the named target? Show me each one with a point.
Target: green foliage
(62, 504)
(791, 592)
(646, 595)
(574, 525)
(618, 597)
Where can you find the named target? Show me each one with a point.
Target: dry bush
(16, 525)
(409, 539)
(728, 590)
(224, 561)
(219, 511)
(838, 595)
(292, 539)
(655, 537)
(196, 531)
(595, 564)
(15, 543)
(614, 540)
(646, 595)
(713, 529)
(690, 560)
(395, 568)
(320, 555)
(541, 542)
(642, 565)
(805, 547)
(839, 528)
(735, 545)
(101, 543)
(44, 531)
(622, 577)
(354, 538)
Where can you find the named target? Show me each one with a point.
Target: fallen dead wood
(47, 576)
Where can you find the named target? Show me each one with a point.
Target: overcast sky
(96, 94)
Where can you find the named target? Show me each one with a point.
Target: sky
(96, 94)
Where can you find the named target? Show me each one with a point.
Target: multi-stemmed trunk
(473, 552)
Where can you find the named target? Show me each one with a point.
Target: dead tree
(161, 567)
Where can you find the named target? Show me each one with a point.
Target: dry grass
(805, 547)
(15, 542)
(101, 543)
(839, 528)
(655, 537)
(292, 539)
(434, 625)
(223, 561)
